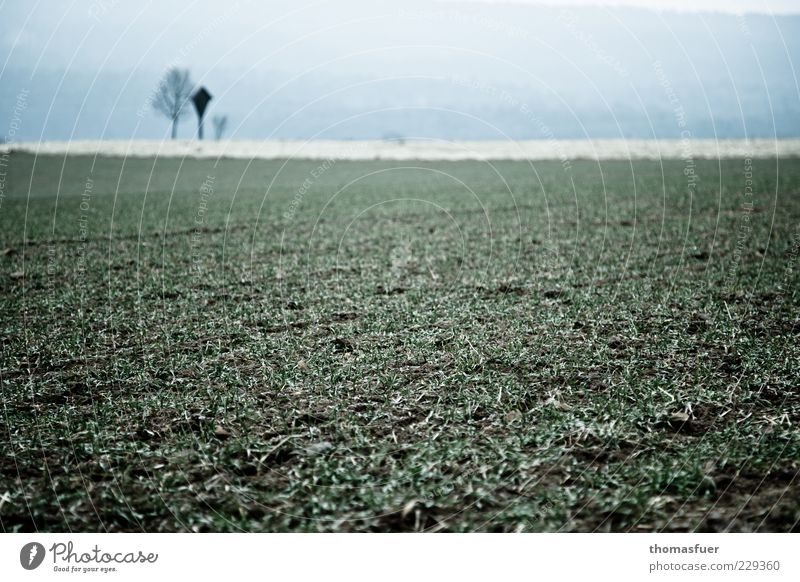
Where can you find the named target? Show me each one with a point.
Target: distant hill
(445, 70)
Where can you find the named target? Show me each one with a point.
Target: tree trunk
(174, 127)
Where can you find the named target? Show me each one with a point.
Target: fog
(376, 70)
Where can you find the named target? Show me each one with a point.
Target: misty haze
(383, 70)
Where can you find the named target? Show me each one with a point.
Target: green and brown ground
(392, 346)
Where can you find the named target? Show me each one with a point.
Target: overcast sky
(292, 68)
(117, 35)
(734, 6)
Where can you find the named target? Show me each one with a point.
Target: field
(203, 345)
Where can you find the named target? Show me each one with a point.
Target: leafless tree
(220, 124)
(172, 95)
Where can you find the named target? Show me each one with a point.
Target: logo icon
(31, 555)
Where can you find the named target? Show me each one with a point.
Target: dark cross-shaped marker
(200, 100)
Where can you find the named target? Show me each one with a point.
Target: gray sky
(733, 6)
(370, 68)
(116, 35)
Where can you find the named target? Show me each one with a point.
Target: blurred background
(399, 70)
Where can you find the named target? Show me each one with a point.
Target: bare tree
(220, 124)
(172, 95)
